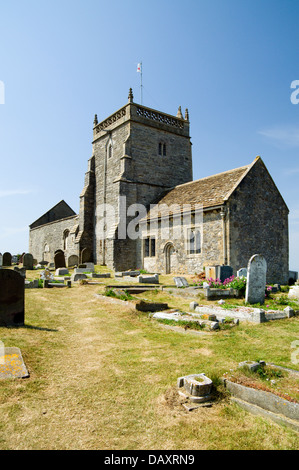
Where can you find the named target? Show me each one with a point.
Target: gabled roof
(211, 191)
(58, 212)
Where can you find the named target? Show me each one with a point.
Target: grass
(103, 376)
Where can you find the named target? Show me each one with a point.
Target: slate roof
(210, 191)
(60, 211)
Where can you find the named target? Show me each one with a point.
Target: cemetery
(196, 320)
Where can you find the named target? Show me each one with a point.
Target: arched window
(194, 241)
(110, 150)
(66, 234)
(162, 149)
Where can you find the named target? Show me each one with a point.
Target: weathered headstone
(28, 261)
(78, 276)
(59, 260)
(61, 271)
(1, 260)
(210, 272)
(294, 293)
(87, 267)
(12, 295)
(73, 260)
(256, 280)
(181, 282)
(149, 279)
(242, 272)
(6, 259)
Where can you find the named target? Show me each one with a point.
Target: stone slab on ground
(190, 317)
(181, 281)
(12, 364)
(250, 314)
(131, 289)
(265, 403)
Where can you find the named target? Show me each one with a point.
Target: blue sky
(230, 62)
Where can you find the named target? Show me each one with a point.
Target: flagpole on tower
(139, 69)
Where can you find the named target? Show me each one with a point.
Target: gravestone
(210, 272)
(223, 272)
(149, 279)
(256, 280)
(1, 260)
(87, 267)
(28, 261)
(73, 260)
(6, 261)
(59, 260)
(12, 295)
(242, 272)
(181, 282)
(61, 271)
(46, 275)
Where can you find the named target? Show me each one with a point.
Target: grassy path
(103, 377)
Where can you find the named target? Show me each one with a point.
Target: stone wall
(258, 224)
(48, 238)
(181, 260)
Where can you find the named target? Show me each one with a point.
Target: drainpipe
(223, 217)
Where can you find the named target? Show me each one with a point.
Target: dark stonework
(6, 259)
(12, 294)
(223, 272)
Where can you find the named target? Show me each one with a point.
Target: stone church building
(140, 207)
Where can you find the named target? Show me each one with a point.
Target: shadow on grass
(29, 327)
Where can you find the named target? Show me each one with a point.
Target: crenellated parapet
(142, 114)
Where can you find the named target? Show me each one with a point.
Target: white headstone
(242, 272)
(256, 280)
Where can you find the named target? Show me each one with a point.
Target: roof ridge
(245, 167)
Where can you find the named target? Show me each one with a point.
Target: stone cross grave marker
(46, 275)
(256, 280)
(12, 296)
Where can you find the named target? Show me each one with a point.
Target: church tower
(138, 155)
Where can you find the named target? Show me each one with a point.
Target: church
(141, 209)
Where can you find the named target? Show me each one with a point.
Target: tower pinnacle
(130, 97)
